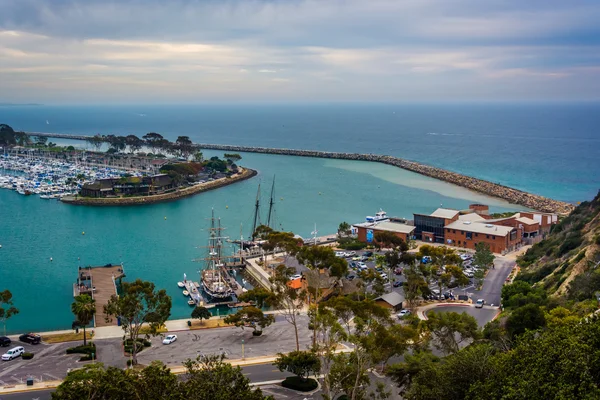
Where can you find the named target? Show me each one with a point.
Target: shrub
(27, 356)
(87, 349)
(88, 357)
(580, 256)
(572, 241)
(256, 333)
(296, 383)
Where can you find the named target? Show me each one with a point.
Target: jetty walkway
(509, 194)
(101, 283)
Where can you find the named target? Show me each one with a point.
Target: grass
(66, 337)
(207, 324)
(144, 330)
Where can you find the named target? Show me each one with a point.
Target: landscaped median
(246, 173)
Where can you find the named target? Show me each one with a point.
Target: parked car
(398, 283)
(361, 264)
(340, 254)
(353, 265)
(169, 339)
(13, 353)
(403, 313)
(383, 276)
(448, 295)
(350, 253)
(357, 258)
(30, 338)
(350, 277)
(398, 271)
(294, 277)
(4, 341)
(425, 260)
(368, 254)
(480, 303)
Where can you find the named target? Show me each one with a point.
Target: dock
(100, 282)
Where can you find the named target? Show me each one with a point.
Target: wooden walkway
(103, 288)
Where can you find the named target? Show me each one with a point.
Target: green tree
(483, 255)
(344, 229)
(84, 309)
(139, 304)
(285, 299)
(522, 319)
(415, 286)
(259, 295)
(153, 140)
(250, 317)
(300, 363)
(404, 372)
(210, 378)
(41, 140)
(7, 309)
(201, 313)
(134, 143)
(450, 329)
(389, 240)
(233, 156)
(198, 156)
(185, 145)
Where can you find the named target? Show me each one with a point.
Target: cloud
(334, 50)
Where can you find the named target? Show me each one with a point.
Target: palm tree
(84, 308)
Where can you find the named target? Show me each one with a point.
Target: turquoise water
(308, 191)
(549, 149)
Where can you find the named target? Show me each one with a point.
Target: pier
(101, 283)
(515, 196)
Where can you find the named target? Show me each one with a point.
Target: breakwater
(177, 194)
(509, 194)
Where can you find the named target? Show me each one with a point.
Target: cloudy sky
(176, 51)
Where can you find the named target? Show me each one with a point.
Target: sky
(176, 51)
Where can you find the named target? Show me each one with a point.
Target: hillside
(565, 264)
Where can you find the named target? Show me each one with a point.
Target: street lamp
(242, 349)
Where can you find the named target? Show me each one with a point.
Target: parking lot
(50, 362)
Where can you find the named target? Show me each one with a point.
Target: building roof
(471, 217)
(387, 226)
(527, 221)
(393, 299)
(480, 227)
(444, 213)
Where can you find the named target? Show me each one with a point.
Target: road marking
(52, 376)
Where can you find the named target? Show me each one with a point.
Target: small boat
(181, 284)
(186, 293)
(379, 216)
(191, 302)
(244, 282)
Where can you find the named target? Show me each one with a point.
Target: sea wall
(511, 195)
(139, 200)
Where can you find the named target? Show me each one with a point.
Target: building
(430, 228)
(366, 231)
(468, 232)
(392, 301)
(130, 186)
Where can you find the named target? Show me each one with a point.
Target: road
(256, 373)
(494, 281)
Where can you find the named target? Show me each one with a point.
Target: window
(477, 235)
(494, 237)
(487, 236)
(453, 230)
(470, 235)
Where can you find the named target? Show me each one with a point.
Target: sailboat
(214, 276)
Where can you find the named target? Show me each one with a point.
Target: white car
(403, 313)
(350, 253)
(340, 254)
(480, 303)
(13, 353)
(169, 339)
(294, 277)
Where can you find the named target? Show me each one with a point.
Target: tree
(153, 139)
(344, 229)
(250, 317)
(198, 156)
(201, 313)
(322, 257)
(84, 309)
(285, 299)
(185, 145)
(414, 287)
(210, 378)
(300, 363)
(96, 141)
(528, 317)
(233, 156)
(483, 255)
(139, 304)
(450, 329)
(404, 372)
(7, 309)
(134, 143)
(389, 240)
(262, 232)
(259, 295)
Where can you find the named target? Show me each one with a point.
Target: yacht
(379, 216)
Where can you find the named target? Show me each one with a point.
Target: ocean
(548, 149)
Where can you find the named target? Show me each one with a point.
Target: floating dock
(101, 283)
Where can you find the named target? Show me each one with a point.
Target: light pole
(242, 349)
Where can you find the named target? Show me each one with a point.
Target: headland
(512, 195)
(242, 174)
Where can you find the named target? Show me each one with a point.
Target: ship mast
(271, 203)
(256, 214)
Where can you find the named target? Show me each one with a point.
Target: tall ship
(214, 276)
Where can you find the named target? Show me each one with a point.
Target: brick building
(366, 230)
(430, 228)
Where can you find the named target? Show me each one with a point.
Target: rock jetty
(509, 194)
(246, 173)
